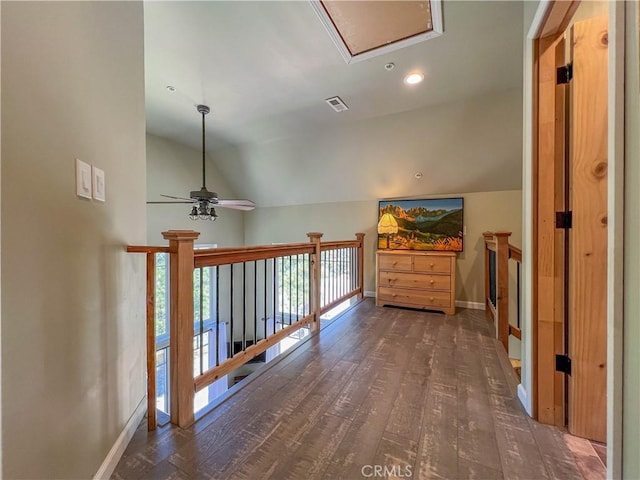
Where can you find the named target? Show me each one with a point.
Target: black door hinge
(564, 219)
(564, 74)
(563, 364)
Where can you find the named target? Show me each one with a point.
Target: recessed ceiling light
(413, 78)
(171, 89)
(418, 175)
(389, 66)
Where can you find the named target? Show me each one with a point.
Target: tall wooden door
(587, 249)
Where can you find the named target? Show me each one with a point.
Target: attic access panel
(363, 30)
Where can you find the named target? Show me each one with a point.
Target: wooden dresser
(417, 279)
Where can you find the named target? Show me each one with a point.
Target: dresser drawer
(415, 280)
(419, 298)
(431, 264)
(395, 262)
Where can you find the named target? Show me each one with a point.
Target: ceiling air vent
(337, 104)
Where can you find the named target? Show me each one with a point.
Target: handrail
(304, 263)
(515, 253)
(498, 252)
(339, 300)
(240, 358)
(214, 257)
(146, 249)
(342, 244)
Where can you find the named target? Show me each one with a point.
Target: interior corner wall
(73, 331)
(525, 389)
(483, 211)
(174, 169)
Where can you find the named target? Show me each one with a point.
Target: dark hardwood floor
(379, 393)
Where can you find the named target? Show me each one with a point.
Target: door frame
(549, 247)
(553, 17)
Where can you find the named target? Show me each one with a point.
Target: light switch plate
(83, 179)
(98, 184)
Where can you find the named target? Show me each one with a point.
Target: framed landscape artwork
(425, 224)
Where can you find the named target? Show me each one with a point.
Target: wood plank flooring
(380, 393)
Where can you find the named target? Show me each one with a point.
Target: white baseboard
(113, 457)
(472, 305)
(369, 294)
(524, 399)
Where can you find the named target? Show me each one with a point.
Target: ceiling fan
(204, 200)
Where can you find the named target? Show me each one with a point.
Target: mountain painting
(427, 224)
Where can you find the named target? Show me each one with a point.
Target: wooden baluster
(152, 421)
(181, 321)
(314, 237)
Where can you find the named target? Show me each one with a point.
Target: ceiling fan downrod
(204, 110)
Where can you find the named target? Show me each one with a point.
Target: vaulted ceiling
(265, 68)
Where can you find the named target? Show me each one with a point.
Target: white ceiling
(265, 68)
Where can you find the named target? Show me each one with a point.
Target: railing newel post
(181, 325)
(314, 237)
(360, 238)
(487, 278)
(502, 291)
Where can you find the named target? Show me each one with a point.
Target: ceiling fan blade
(190, 201)
(176, 198)
(236, 204)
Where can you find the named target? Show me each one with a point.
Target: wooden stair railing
(498, 252)
(515, 254)
(152, 420)
(320, 260)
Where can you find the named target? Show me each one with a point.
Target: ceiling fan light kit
(203, 200)
(203, 212)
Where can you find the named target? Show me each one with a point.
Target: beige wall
(631, 360)
(341, 220)
(73, 369)
(174, 169)
(470, 145)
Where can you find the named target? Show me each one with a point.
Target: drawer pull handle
(431, 299)
(431, 282)
(431, 265)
